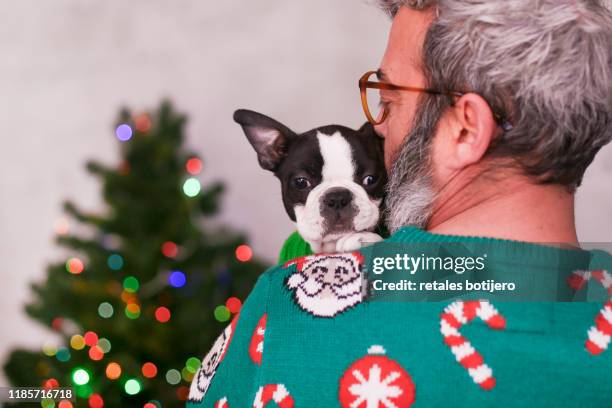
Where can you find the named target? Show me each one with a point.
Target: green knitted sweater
(296, 344)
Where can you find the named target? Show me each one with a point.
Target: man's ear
(269, 138)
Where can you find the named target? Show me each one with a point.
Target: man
(491, 112)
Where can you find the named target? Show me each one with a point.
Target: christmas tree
(147, 286)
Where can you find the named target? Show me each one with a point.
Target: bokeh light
(132, 311)
(96, 353)
(169, 249)
(80, 376)
(194, 166)
(77, 342)
(57, 323)
(131, 284)
(186, 374)
(233, 304)
(64, 404)
(177, 279)
(129, 297)
(74, 266)
(191, 187)
(104, 344)
(50, 383)
(49, 349)
(149, 370)
(47, 403)
(84, 391)
(192, 364)
(113, 371)
(123, 132)
(63, 354)
(162, 314)
(142, 123)
(182, 393)
(152, 404)
(244, 253)
(91, 338)
(222, 313)
(173, 376)
(115, 262)
(62, 226)
(132, 386)
(95, 401)
(105, 310)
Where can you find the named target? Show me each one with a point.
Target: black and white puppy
(332, 178)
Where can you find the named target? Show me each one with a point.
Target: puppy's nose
(337, 198)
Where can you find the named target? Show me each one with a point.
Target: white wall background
(67, 65)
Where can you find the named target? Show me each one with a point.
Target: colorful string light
(80, 376)
(77, 342)
(162, 314)
(132, 311)
(123, 132)
(91, 338)
(177, 279)
(105, 345)
(63, 354)
(96, 353)
(47, 403)
(132, 386)
(49, 349)
(142, 123)
(244, 253)
(194, 166)
(113, 371)
(182, 393)
(192, 187)
(50, 383)
(149, 370)
(173, 376)
(192, 364)
(115, 262)
(169, 249)
(74, 266)
(186, 375)
(84, 391)
(95, 401)
(233, 304)
(64, 404)
(131, 284)
(105, 310)
(222, 313)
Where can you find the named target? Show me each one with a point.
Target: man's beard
(410, 191)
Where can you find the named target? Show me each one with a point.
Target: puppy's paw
(356, 240)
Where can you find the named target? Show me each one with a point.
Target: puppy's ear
(269, 138)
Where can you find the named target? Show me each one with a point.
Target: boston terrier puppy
(332, 178)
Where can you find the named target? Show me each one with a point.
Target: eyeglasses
(376, 110)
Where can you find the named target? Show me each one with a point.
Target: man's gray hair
(545, 65)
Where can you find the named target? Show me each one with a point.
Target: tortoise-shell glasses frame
(365, 84)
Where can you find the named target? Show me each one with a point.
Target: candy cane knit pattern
(222, 403)
(273, 392)
(599, 335)
(456, 315)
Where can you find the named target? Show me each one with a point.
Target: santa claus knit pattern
(309, 335)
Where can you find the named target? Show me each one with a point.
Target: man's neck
(508, 208)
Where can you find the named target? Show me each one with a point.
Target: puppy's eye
(301, 183)
(369, 180)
